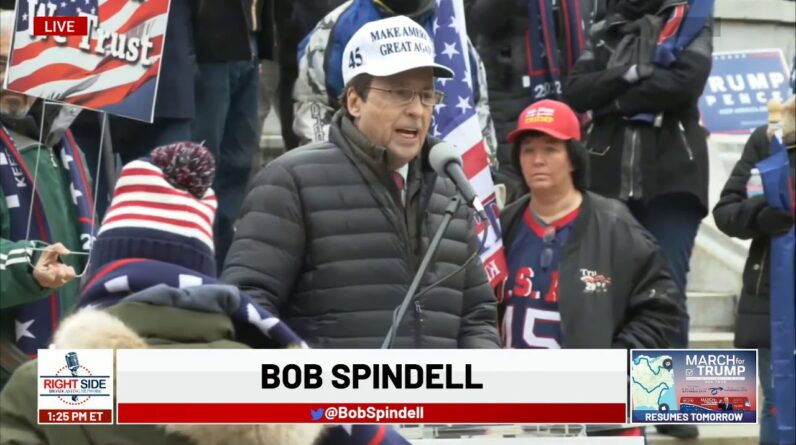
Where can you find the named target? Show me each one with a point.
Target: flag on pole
(456, 122)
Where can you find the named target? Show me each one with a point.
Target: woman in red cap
(582, 272)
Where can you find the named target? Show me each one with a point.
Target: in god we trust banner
(371, 386)
(113, 66)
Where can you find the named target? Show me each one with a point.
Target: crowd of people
(588, 112)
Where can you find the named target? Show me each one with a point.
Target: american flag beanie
(162, 209)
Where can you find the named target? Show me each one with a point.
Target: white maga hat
(390, 46)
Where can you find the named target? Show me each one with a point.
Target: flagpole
(106, 146)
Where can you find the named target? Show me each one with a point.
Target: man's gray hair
(360, 83)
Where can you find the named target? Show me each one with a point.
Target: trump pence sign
(741, 83)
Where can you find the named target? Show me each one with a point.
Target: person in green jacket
(45, 219)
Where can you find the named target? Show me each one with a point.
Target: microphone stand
(453, 205)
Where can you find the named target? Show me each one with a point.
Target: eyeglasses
(546, 258)
(404, 96)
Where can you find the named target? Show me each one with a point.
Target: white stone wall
(756, 24)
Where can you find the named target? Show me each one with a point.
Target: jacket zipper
(632, 163)
(418, 311)
(685, 143)
(407, 237)
(399, 209)
(407, 242)
(762, 271)
(418, 308)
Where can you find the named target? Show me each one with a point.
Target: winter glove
(639, 39)
(624, 53)
(647, 28)
(771, 221)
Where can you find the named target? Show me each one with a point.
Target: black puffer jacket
(631, 160)
(737, 216)
(324, 243)
(637, 307)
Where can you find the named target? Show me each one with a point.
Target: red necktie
(398, 179)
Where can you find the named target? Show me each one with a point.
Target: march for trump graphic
(693, 386)
(113, 67)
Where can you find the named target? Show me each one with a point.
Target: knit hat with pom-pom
(162, 209)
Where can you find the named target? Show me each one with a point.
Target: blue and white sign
(693, 386)
(741, 84)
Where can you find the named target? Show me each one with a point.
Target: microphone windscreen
(71, 360)
(441, 155)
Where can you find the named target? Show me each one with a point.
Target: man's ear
(353, 103)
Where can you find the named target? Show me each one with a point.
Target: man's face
(386, 121)
(12, 104)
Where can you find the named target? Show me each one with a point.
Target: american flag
(456, 121)
(64, 72)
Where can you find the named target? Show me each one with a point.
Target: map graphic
(652, 385)
(693, 386)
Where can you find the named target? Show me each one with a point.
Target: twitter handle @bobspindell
(365, 414)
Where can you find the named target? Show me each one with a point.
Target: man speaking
(331, 234)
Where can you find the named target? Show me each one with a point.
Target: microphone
(445, 160)
(73, 364)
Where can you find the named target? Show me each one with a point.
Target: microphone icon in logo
(73, 364)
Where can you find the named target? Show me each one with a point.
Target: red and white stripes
(144, 199)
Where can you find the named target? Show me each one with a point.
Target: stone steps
(712, 311)
(710, 339)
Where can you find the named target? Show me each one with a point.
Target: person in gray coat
(332, 233)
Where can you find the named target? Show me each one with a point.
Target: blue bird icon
(316, 414)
